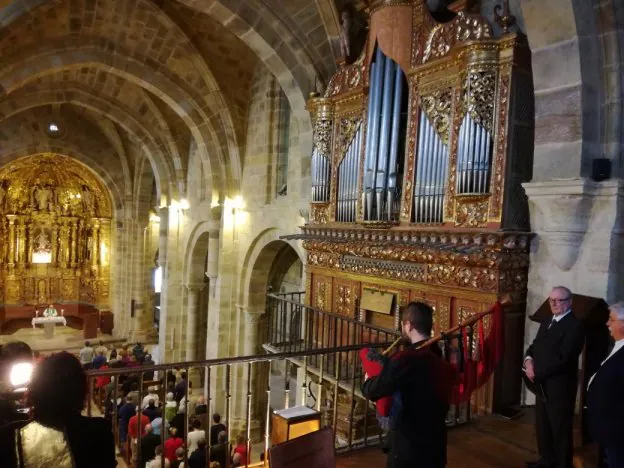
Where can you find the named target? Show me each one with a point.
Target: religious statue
(346, 26)
(50, 311)
(88, 201)
(42, 197)
(42, 243)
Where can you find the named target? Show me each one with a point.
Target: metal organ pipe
(347, 180)
(373, 127)
(384, 139)
(394, 140)
(368, 184)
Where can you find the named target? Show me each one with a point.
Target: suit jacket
(555, 354)
(417, 435)
(605, 402)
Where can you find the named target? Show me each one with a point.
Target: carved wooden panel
(345, 297)
(321, 292)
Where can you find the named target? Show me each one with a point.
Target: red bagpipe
(471, 369)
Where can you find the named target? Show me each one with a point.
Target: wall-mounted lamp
(154, 218)
(184, 204)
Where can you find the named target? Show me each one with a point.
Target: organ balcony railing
(432, 125)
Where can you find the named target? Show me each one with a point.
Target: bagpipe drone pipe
(471, 365)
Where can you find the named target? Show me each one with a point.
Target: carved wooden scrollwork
(438, 108)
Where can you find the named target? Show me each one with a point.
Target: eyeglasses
(558, 301)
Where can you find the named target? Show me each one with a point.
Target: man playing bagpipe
(420, 383)
(414, 387)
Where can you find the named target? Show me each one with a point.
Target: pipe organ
(420, 149)
(55, 228)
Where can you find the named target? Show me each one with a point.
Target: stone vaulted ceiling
(136, 83)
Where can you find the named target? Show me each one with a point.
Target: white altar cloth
(43, 320)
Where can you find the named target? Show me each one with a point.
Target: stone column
(212, 265)
(251, 346)
(193, 290)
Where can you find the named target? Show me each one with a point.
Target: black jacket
(555, 354)
(605, 402)
(417, 435)
(148, 447)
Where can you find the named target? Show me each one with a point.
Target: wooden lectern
(294, 422)
(594, 313)
(90, 325)
(106, 322)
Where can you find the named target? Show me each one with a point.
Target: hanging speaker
(601, 169)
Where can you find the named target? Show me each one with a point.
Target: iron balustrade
(216, 375)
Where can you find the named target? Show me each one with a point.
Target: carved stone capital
(561, 211)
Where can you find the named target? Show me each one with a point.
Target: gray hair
(222, 437)
(618, 308)
(563, 288)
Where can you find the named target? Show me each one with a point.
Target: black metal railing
(248, 402)
(295, 327)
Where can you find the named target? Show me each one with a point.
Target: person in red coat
(172, 444)
(133, 431)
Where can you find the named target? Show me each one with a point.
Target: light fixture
(20, 374)
(184, 204)
(53, 128)
(154, 218)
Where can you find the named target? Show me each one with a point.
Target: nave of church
(217, 179)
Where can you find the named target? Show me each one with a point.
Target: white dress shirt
(618, 345)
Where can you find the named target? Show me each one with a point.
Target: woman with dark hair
(59, 436)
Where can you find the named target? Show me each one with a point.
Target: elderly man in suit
(605, 395)
(551, 362)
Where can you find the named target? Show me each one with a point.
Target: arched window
(157, 280)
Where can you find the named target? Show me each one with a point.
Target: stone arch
(202, 81)
(196, 252)
(137, 70)
(122, 117)
(290, 63)
(257, 266)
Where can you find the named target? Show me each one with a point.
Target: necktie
(552, 323)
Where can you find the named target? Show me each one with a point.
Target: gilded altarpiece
(55, 231)
(458, 236)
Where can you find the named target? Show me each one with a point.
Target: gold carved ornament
(443, 37)
(322, 136)
(438, 106)
(51, 202)
(498, 165)
(412, 134)
(348, 128)
(479, 92)
(472, 212)
(348, 77)
(319, 213)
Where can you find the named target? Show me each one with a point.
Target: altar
(49, 323)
